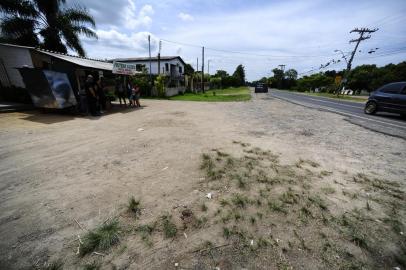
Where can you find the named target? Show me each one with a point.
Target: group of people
(130, 91)
(94, 98)
(95, 95)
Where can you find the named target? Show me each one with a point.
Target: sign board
(124, 68)
(337, 80)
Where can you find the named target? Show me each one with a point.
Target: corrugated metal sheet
(84, 62)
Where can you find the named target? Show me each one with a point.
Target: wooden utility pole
(364, 34)
(203, 69)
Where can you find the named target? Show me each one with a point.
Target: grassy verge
(219, 95)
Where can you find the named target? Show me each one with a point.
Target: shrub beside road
(217, 95)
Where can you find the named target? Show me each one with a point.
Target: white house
(173, 66)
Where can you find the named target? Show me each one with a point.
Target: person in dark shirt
(91, 95)
(120, 91)
(101, 94)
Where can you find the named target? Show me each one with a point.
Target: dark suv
(389, 98)
(261, 88)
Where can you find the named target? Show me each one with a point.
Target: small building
(14, 57)
(173, 66)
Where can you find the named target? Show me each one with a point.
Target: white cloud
(112, 44)
(185, 17)
(277, 29)
(133, 20)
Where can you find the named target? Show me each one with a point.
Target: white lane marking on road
(321, 100)
(349, 114)
(342, 104)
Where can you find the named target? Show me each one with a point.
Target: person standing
(136, 96)
(91, 95)
(120, 91)
(129, 93)
(101, 94)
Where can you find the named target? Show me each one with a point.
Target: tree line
(221, 79)
(363, 77)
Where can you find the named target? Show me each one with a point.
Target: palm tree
(45, 23)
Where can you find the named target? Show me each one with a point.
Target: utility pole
(203, 69)
(364, 34)
(196, 74)
(282, 67)
(159, 57)
(208, 72)
(149, 50)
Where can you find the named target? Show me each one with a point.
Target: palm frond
(72, 40)
(19, 30)
(78, 16)
(22, 8)
(85, 31)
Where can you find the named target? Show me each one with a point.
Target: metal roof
(77, 60)
(142, 59)
(80, 61)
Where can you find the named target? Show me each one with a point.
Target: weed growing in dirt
(92, 266)
(102, 238)
(277, 206)
(328, 190)
(239, 200)
(302, 162)
(289, 197)
(325, 173)
(54, 265)
(146, 231)
(203, 207)
(262, 201)
(169, 228)
(134, 206)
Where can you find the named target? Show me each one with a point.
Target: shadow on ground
(56, 116)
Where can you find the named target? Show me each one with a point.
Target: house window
(166, 67)
(138, 67)
(180, 70)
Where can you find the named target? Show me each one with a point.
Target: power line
(243, 53)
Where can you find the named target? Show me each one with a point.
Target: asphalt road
(390, 124)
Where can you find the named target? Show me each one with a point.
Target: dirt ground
(61, 176)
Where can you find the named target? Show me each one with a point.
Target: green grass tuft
(134, 206)
(92, 266)
(239, 200)
(102, 238)
(54, 265)
(169, 227)
(276, 206)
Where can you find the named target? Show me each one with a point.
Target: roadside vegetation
(363, 77)
(217, 95)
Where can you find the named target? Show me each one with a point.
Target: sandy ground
(56, 169)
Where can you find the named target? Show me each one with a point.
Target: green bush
(160, 85)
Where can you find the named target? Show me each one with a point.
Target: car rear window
(393, 88)
(403, 90)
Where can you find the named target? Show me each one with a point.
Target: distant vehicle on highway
(389, 98)
(261, 88)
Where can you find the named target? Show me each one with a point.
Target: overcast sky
(302, 34)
